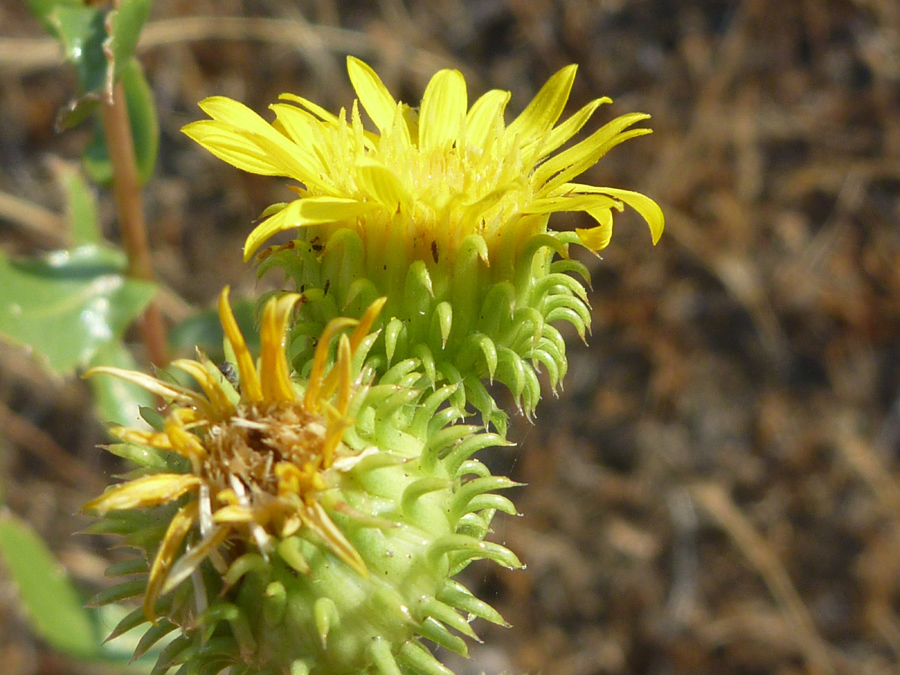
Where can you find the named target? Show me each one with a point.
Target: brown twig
(127, 189)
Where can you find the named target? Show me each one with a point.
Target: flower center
(265, 446)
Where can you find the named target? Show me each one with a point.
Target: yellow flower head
(259, 457)
(431, 176)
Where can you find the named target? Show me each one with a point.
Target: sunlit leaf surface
(69, 304)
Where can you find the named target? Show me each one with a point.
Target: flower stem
(129, 205)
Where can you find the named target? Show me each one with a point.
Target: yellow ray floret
(440, 174)
(144, 492)
(259, 455)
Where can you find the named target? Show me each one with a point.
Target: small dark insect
(317, 245)
(262, 255)
(434, 251)
(327, 286)
(228, 369)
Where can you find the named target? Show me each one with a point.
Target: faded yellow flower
(260, 457)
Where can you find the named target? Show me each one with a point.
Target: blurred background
(717, 489)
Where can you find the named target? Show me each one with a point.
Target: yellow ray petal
(274, 371)
(332, 440)
(443, 110)
(232, 147)
(373, 95)
(571, 202)
(317, 519)
(220, 403)
(597, 238)
(184, 442)
(191, 560)
(244, 123)
(486, 117)
(545, 108)
(381, 185)
(235, 114)
(293, 160)
(234, 513)
(572, 162)
(179, 526)
(153, 439)
(300, 127)
(317, 210)
(283, 219)
(570, 127)
(147, 491)
(340, 372)
(365, 323)
(314, 108)
(327, 209)
(172, 392)
(359, 334)
(311, 398)
(250, 387)
(649, 209)
(297, 123)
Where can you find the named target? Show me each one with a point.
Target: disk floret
(272, 452)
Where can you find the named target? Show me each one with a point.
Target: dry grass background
(716, 490)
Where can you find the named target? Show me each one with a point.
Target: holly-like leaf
(68, 304)
(82, 31)
(52, 605)
(100, 44)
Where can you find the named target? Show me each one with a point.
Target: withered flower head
(259, 457)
